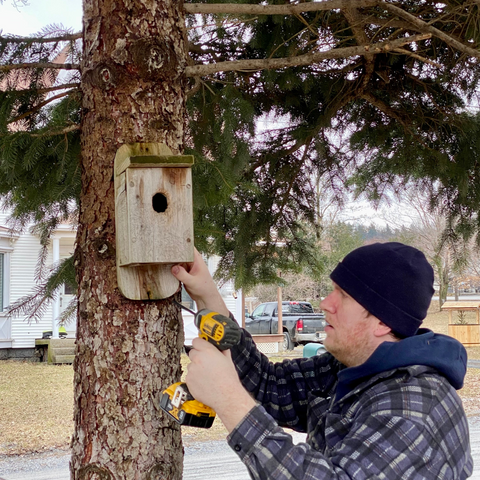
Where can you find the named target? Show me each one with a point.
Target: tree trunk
(443, 290)
(442, 271)
(127, 351)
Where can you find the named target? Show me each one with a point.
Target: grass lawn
(36, 406)
(36, 401)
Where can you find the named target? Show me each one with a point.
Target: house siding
(23, 260)
(227, 289)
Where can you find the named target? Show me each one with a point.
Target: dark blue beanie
(393, 281)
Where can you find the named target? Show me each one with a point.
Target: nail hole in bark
(159, 202)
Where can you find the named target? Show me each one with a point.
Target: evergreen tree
(398, 75)
(402, 96)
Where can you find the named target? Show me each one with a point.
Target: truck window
(269, 309)
(303, 308)
(298, 308)
(259, 310)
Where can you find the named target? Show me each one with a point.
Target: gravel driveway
(203, 461)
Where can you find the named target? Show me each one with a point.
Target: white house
(18, 261)
(232, 299)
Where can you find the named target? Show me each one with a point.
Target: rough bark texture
(127, 351)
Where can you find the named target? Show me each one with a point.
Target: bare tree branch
(38, 107)
(47, 65)
(46, 133)
(52, 133)
(356, 24)
(425, 27)
(62, 38)
(403, 51)
(248, 9)
(411, 20)
(45, 90)
(301, 60)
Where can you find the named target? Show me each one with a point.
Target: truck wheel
(287, 341)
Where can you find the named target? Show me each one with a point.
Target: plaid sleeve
(284, 388)
(380, 447)
(269, 453)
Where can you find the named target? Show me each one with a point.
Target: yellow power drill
(176, 400)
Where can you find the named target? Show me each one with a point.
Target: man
(380, 405)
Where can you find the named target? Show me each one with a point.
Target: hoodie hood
(443, 353)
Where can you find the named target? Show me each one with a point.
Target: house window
(68, 290)
(2, 280)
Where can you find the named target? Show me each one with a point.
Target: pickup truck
(300, 324)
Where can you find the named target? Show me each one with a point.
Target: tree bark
(127, 351)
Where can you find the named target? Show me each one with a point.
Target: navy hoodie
(445, 354)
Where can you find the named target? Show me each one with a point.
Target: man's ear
(381, 329)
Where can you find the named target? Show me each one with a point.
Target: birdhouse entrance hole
(153, 218)
(159, 202)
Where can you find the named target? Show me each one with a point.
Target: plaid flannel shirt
(407, 423)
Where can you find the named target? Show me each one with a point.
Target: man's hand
(200, 285)
(213, 380)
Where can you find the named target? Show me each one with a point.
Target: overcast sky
(31, 18)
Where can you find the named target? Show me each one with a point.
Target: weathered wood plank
(159, 216)
(466, 334)
(153, 219)
(461, 305)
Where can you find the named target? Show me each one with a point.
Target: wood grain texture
(468, 335)
(149, 241)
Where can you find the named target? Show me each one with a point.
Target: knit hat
(394, 282)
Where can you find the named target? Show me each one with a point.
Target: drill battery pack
(179, 404)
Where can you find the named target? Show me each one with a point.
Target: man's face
(350, 331)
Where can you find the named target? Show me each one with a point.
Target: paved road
(475, 445)
(473, 363)
(203, 461)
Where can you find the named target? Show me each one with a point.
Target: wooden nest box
(153, 218)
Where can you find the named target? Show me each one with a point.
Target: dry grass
(36, 401)
(470, 393)
(36, 405)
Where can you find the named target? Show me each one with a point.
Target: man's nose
(327, 304)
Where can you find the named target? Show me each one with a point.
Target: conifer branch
(47, 66)
(425, 27)
(411, 20)
(295, 175)
(38, 107)
(302, 60)
(385, 109)
(62, 38)
(249, 9)
(34, 304)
